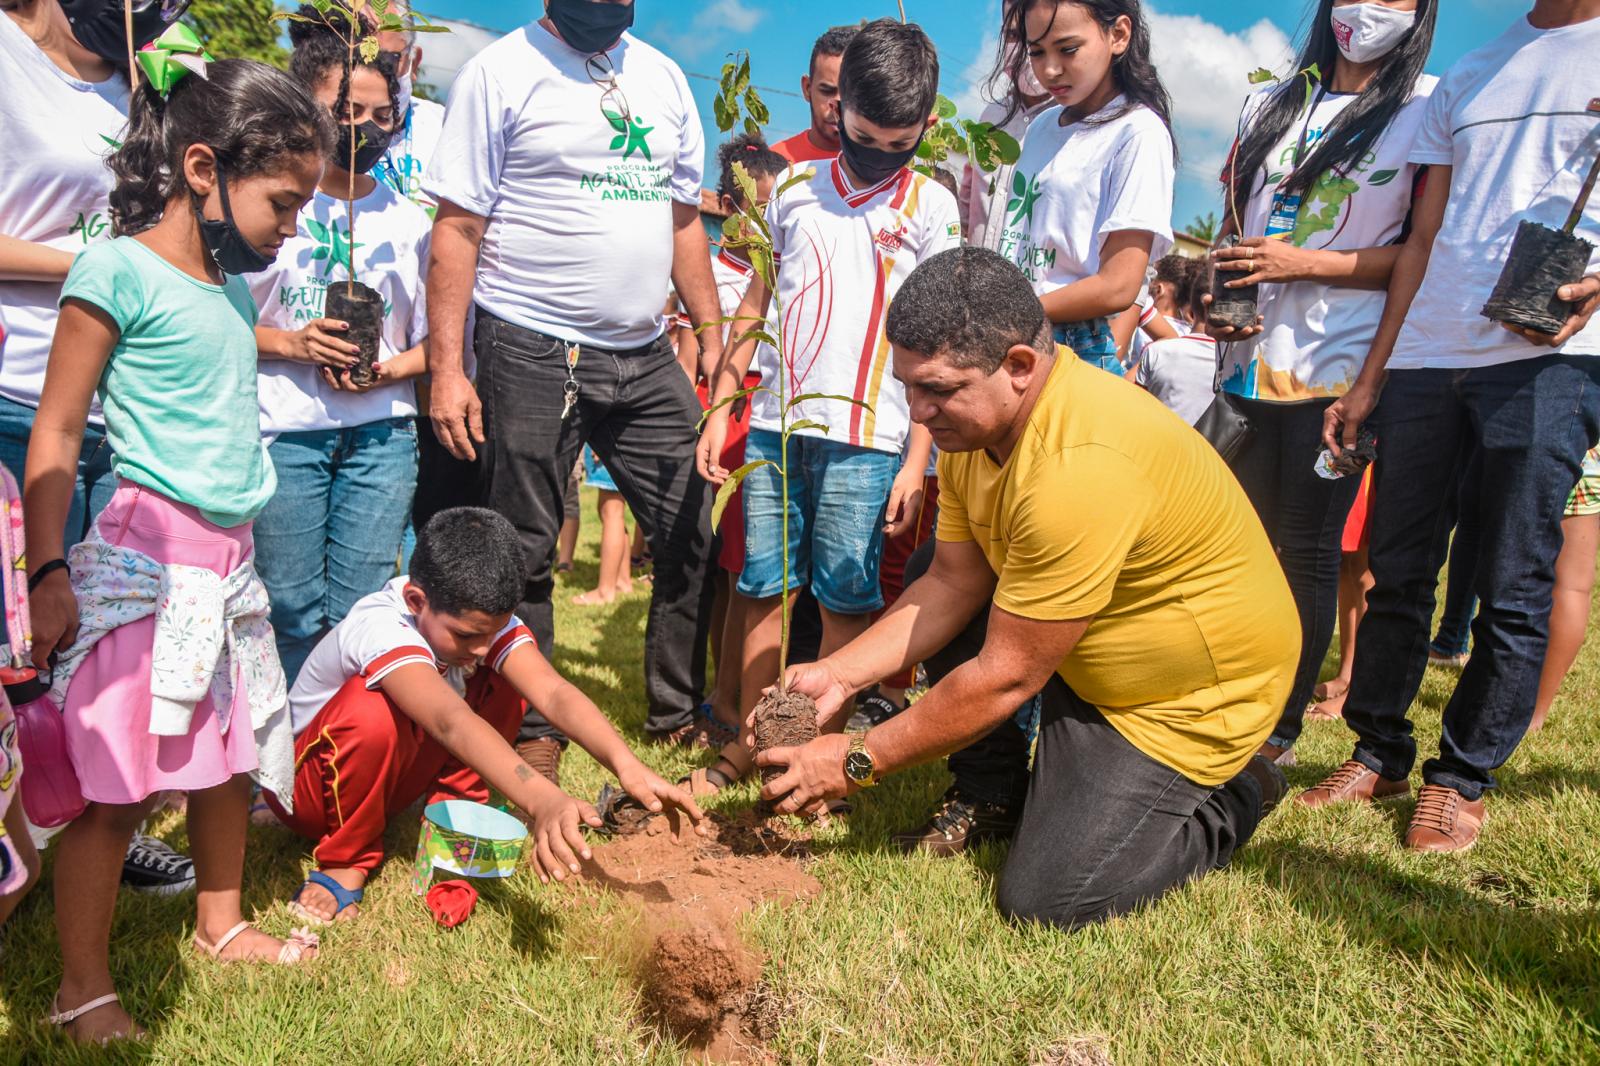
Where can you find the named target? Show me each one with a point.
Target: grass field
(1324, 942)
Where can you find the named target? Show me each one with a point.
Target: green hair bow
(173, 56)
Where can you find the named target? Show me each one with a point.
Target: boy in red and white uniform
(845, 241)
(420, 690)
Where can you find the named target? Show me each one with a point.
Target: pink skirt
(107, 710)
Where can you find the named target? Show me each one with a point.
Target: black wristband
(45, 571)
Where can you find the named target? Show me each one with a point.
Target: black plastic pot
(362, 308)
(1540, 262)
(1231, 307)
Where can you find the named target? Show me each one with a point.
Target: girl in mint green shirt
(157, 322)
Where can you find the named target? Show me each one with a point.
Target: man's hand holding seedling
(1584, 295)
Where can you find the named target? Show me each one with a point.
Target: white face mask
(1367, 31)
(1028, 83)
(404, 96)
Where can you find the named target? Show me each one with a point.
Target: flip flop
(343, 897)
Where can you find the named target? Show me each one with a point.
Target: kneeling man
(1094, 549)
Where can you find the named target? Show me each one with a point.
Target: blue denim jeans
(331, 533)
(837, 496)
(95, 483)
(1532, 421)
(1460, 601)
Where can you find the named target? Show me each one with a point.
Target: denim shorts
(1093, 342)
(837, 497)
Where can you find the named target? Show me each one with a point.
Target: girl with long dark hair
(167, 678)
(1090, 201)
(1320, 189)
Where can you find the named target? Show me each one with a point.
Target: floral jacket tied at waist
(212, 635)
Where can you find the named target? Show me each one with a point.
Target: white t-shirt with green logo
(404, 166)
(1315, 337)
(1075, 185)
(391, 254)
(55, 135)
(579, 199)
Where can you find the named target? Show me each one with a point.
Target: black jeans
(1304, 515)
(1460, 601)
(1532, 421)
(638, 412)
(443, 481)
(1105, 828)
(994, 768)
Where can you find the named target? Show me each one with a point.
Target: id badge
(1285, 213)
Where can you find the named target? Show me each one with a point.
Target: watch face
(858, 766)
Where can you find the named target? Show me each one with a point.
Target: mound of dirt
(701, 982)
(783, 720)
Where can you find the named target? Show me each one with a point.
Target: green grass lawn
(1325, 941)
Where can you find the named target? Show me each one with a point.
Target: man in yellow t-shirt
(1092, 548)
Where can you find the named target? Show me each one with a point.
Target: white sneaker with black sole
(151, 866)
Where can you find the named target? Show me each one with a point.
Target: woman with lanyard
(1321, 190)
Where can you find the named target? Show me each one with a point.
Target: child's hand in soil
(558, 836)
(657, 796)
(813, 774)
(322, 342)
(828, 690)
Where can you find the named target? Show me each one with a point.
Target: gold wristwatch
(858, 764)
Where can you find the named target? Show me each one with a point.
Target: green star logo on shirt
(1024, 194)
(631, 134)
(333, 244)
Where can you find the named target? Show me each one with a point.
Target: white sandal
(67, 1017)
(291, 953)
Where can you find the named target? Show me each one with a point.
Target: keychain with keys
(569, 391)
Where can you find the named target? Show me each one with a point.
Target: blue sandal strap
(342, 896)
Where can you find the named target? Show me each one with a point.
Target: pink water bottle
(51, 794)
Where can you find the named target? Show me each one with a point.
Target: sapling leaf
(804, 423)
(428, 28)
(752, 127)
(322, 6)
(760, 336)
(926, 150)
(756, 106)
(726, 490)
(741, 81)
(743, 181)
(733, 228)
(793, 180)
(944, 107)
(369, 49)
(760, 256)
(804, 396)
(1009, 147)
(735, 398)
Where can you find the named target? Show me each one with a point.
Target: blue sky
(1203, 48)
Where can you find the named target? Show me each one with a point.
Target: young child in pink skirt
(167, 676)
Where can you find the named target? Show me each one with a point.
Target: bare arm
(22, 260)
(454, 407)
(1342, 422)
(728, 378)
(692, 277)
(84, 338)
(1124, 258)
(1273, 260)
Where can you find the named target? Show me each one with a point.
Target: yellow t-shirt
(1112, 507)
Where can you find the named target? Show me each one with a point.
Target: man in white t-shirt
(568, 177)
(1506, 141)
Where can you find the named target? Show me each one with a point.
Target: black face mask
(872, 165)
(588, 25)
(372, 143)
(232, 253)
(98, 24)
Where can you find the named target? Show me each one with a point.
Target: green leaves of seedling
(726, 490)
(737, 98)
(985, 145)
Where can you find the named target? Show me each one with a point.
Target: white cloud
(967, 93)
(1205, 69)
(709, 23)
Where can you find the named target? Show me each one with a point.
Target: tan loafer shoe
(1444, 821)
(1353, 783)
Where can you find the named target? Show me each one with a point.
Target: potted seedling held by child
(358, 23)
(1541, 262)
(1235, 306)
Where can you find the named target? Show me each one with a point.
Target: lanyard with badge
(1286, 206)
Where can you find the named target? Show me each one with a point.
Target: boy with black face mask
(845, 240)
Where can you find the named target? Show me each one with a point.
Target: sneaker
(1444, 821)
(1353, 783)
(871, 710)
(957, 825)
(1446, 659)
(151, 866)
(544, 756)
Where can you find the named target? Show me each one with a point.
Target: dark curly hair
(469, 559)
(251, 115)
(759, 160)
(319, 50)
(969, 306)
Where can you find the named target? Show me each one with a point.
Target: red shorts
(731, 555)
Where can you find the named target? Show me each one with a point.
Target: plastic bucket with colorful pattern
(467, 839)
